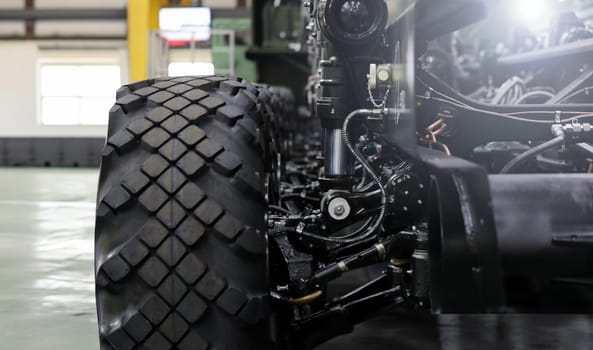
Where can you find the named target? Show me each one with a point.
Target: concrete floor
(46, 259)
(47, 292)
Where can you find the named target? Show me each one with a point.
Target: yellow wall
(142, 17)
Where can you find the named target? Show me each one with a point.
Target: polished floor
(47, 297)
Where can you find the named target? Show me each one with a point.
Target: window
(177, 69)
(77, 94)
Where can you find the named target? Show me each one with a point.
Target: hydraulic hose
(513, 164)
(366, 166)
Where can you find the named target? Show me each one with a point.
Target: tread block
(171, 251)
(174, 327)
(164, 84)
(171, 214)
(193, 341)
(246, 99)
(216, 78)
(160, 97)
(252, 312)
(120, 340)
(190, 269)
(135, 181)
(172, 180)
(146, 91)
(194, 113)
(155, 309)
(153, 271)
(174, 124)
(115, 268)
(192, 307)
(158, 114)
(138, 327)
(116, 111)
(154, 165)
(248, 180)
(123, 91)
(139, 126)
(208, 149)
(183, 79)
(157, 342)
(252, 241)
(248, 128)
(153, 198)
(179, 89)
(210, 286)
(229, 114)
(173, 150)
(152, 233)
(101, 279)
(134, 252)
(208, 211)
(190, 195)
(228, 227)
(107, 151)
(190, 164)
(155, 138)
(130, 102)
(195, 95)
(177, 103)
(232, 87)
(116, 198)
(231, 301)
(190, 231)
(103, 210)
(122, 140)
(191, 135)
(226, 163)
(172, 289)
(198, 82)
(211, 103)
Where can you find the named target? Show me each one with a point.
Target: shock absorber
(330, 110)
(344, 28)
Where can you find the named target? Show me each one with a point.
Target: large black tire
(180, 246)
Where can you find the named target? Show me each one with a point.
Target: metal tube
(337, 157)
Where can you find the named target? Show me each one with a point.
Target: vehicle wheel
(180, 245)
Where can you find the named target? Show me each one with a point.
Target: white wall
(19, 63)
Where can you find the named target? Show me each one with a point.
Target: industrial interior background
(50, 147)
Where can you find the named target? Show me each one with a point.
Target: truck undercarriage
(457, 176)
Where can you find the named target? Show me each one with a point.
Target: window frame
(76, 58)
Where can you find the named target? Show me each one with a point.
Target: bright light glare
(185, 68)
(533, 14)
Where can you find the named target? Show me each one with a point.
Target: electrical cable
(512, 115)
(279, 209)
(532, 94)
(513, 164)
(454, 102)
(576, 93)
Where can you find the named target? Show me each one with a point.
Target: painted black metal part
(434, 19)
(576, 53)
(484, 230)
(344, 313)
(466, 276)
(544, 224)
